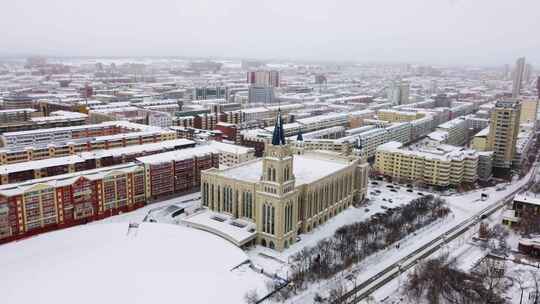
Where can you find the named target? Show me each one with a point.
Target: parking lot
(386, 195)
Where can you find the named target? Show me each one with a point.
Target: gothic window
(268, 218)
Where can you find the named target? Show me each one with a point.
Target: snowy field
(106, 262)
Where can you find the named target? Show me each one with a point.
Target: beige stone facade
(441, 167)
(286, 193)
(503, 132)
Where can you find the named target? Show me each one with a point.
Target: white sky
(430, 31)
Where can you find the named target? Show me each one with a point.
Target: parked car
(409, 190)
(374, 183)
(390, 186)
(393, 190)
(378, 191)
(420, 193)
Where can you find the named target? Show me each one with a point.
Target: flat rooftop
(307, 168)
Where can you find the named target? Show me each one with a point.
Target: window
(247, 204)
(268, 218)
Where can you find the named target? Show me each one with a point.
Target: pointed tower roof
(278, 137)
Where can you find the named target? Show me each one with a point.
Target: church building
(288, 191)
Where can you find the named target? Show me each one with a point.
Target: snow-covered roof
(154, 263)
(67, 179)
(229, 148)
(307, 168)
(527, 199)
(237, 231)
(177, 155)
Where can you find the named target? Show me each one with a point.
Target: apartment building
(56, 142)
(51, 203)
(177, 171)
(400, 132)
(19, 172)
(398, 116)
(437, 165)
(529, 111)
(455, 131)
(231, 155)
(503, 132)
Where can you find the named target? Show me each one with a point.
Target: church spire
(278, 137)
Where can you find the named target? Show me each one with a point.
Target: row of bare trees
(439, 281)
(352, 243)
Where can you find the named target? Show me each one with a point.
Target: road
(364, 289)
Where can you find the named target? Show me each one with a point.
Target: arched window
(268, 218)
(272, 246)
(263, 242)
(269, 174)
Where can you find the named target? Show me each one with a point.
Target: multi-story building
(232, 155)
(438, 165)
(51, 203)
(17, 102)
(503, 132)
(370, 140)
(261, 94)
(263, 78)
(177, 171)
(521, 204)
(23, 119)
(455, 130)
(517, 80)
(19, 172)
(284, 194)
(398, 92)
(209, 93)
(48, 143)
(476, 123)
(422, 126)
(480, 140)
(159, 119)
(485, 165)
(15, 115)
(400, 132)
(529, 111)
(391, 115)
(356, 119)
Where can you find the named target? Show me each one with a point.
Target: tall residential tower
(503, 132)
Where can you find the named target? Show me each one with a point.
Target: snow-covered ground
(463, 249)
(463, 206)
(106, 263)
(166, 261)
(101, 261)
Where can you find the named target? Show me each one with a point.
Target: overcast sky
(423, 31)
